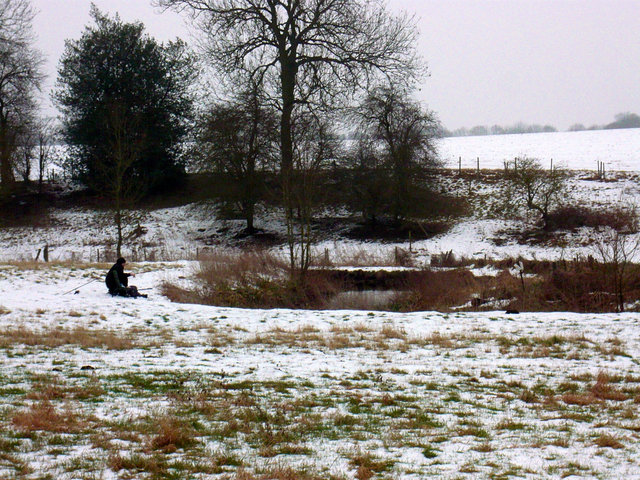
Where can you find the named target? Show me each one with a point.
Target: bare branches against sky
(554, 62)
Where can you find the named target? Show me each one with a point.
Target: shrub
(572, 217)
(439, 290)
(253, 279)
(537, 188)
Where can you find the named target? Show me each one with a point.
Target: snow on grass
(99, 387)
(184, 232)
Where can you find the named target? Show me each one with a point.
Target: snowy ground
(95, 387)
(184, 232)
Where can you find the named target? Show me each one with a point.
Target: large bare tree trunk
(7, 178)
(288, 79)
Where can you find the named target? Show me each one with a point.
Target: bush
(537, 188)
(253, 279)
(439, 291)
(260, 280)
(572, 217)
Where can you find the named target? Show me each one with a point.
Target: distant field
(618, 149)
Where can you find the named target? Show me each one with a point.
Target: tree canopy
(395, 147)
(311, 55)
(115, 66)
(625, 120)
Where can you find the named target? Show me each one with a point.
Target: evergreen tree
(116, 65)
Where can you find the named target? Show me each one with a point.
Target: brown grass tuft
(279, 473)
(579, 399)
(605, 391)
(364, 473)
(57, 337)
(368, 463)
(44, 416)
(173, 434)
(608, 441)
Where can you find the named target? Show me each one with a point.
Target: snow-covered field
(95, 387)
(182, 232)
(618, 149)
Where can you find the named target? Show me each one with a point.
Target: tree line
(622, 120)
(289, 78)
(480, 130)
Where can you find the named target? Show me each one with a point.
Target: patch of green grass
(430, 452)
(365, 461)
(61, 440)
(477, 432)
(452, 397)
(510, 425)
(8, 445)
(345, 420)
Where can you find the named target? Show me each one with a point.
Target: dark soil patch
(388, 231)
(258, 238)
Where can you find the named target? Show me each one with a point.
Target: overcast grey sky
(554, 62)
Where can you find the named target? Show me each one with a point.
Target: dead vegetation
(80, 336)
(266, 428)
(336, 338)
(258, 279)
(173, 433)
(43, 415)
(601, 391)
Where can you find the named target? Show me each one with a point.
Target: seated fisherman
(118, 282)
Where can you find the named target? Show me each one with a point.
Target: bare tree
(537, 188)
(24, 151)
(20, 77)
(313, 53)
(370, 188)
(618, 251)
(316, 146)
(401, 133)
(237, 139)
(122, 185)
(45, 137)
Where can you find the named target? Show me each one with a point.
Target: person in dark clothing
(118, 282)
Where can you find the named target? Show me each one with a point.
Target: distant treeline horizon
(622, 120)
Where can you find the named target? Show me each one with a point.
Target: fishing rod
(83, 285)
